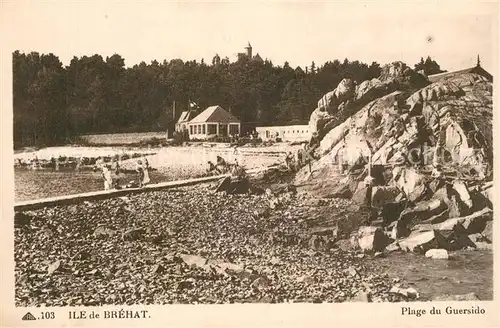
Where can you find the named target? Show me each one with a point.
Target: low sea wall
(104, 194)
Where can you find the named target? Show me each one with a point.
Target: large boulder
(344, 91)
(403, 76)
(471, 224)
(456, 240)
(438, 218)
(407, 179)
(419, 193)
(422, 211)
(437, 254)
(423, 241)
(382, 195)
(390, 212)
(461, 110)
(319, 117)
(488, 231)
(343, 189)
(442, 90)
(347, 99)
(370, 89)
(452, 199)
(371, 239)
(333, 137)
(362, 195)
(400, 230)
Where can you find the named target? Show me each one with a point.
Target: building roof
(476, 69)
(215, 114)
(258, 58)
(186, 116)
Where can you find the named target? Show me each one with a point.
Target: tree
(40, 116)
(94, 95)
(429, 66)
(313, 68)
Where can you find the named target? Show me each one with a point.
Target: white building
(213, 121)
(285, 133)
(186, 116)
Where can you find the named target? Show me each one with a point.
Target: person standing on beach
(106, 174)
(289, 161)
(146, 179)
(117, 171)
(98, 164)
(221, 164)
(53, 163)
(140, 173)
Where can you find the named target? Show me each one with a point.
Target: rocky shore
(193, 245)
(190, 245)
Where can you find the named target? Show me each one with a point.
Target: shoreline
(28, 205)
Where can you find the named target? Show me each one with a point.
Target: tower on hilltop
(249, 50)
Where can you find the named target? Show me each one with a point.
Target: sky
(451, 32)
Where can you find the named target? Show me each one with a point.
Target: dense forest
(54, 103)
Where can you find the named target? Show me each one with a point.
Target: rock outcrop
(346, 99)
(432, 144)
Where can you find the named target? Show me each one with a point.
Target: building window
(203, 129)
(190, 129)
(212, 129)
(234, 129)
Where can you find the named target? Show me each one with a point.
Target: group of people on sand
(220, 166)
(112, 173)
(303, 156)
(223, 167)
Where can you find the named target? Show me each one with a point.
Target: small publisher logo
(28, 316)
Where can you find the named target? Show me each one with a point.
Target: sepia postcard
(249, 164)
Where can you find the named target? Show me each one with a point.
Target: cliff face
(401, 118)
(427, 145)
